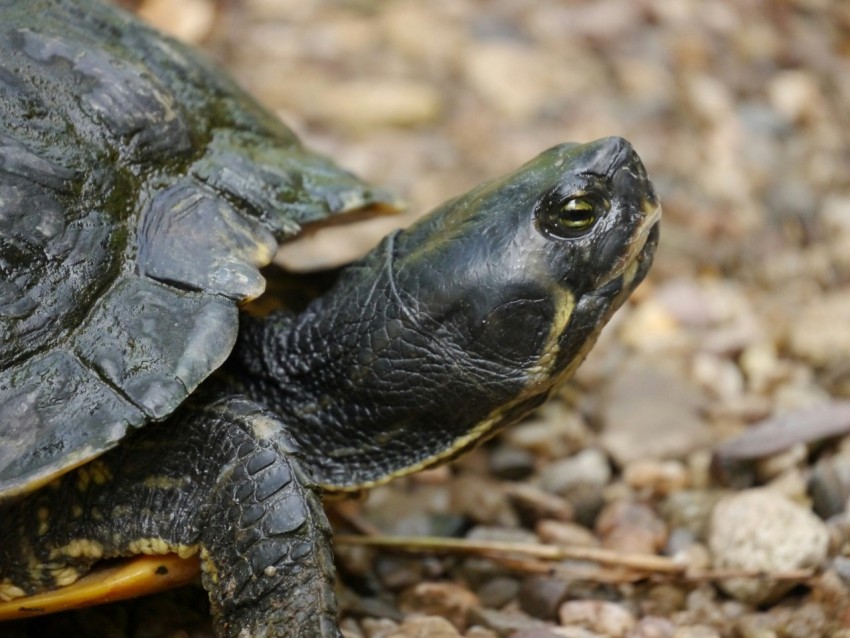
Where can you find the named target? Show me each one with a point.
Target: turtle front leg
(223, 480)
(265, 540)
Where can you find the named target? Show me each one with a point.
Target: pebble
(447, 600)
(189, 20)
(565, 533)
(696, 631)
(762, 530)
(588, 468)
(820, 333)
(374, 102)
(553, 432)
(541, 596)
(505, 623)
(653, 627)
(534, 504)
(605, 618)
(631, 527)
(511, 463)
(498, 591)
(808, 620)
(663, 601)
(656, 477)
(425, 627)
(482, 500)
(636, 425)
(829, 485)
(378, 627)
(691, 510)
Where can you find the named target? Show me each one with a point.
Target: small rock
(556, 632)
(631, 527)
(480, 632)
(663, 601)
(608, 619)
(589, 467)
(829, 485)
(552, 432)
(821, 333)
(772, 466)
(190, 20)
(762, 530)
(656, 477)
(636, 425)
(398, 572)
(563, 533)
(653, 627)
(505, 623)
(511, 463)
(696, 631)
(806, 620)
(498, 591)
(541, 596)
(350, 629)
(374, 102)
(482, 500)
(691, 510)
(378, 627)
(534, 504)
(510, 77)
(425, 627)
(448, 600)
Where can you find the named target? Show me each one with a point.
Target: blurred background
(740, 110)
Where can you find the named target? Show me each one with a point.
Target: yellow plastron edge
(129, 578)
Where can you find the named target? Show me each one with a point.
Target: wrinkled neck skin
(376, 384)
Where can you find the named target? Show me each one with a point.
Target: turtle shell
(140, 191)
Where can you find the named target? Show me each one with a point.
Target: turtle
(146, 409)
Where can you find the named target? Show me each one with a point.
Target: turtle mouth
(636, 261)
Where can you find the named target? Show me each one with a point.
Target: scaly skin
(230, 486)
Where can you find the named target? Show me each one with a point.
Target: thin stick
(506, 552)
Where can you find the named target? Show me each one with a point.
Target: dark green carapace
(140, 191)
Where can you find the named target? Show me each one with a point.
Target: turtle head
(465, 321)
(524, 271)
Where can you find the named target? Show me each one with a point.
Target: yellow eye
(570, 217)
(577, 214)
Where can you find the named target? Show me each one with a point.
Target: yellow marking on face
(76, 511)
(540, 372)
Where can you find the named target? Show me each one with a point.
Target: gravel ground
(740, 111)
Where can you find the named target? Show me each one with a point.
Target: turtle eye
(572, 217)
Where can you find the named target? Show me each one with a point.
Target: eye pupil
(570, 216)
(577, 214)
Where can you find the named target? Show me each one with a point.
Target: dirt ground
(741, 113)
